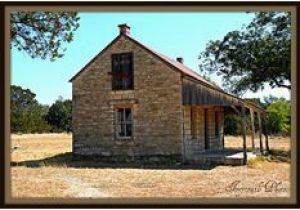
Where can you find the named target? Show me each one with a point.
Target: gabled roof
(179, 66)
(175, 64)
(93, 59)
(172, 63)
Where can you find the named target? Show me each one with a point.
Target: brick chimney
(180, 60)
(124, 29)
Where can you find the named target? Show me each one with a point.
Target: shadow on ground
(76, 161)
(280, 155)
(79, 161)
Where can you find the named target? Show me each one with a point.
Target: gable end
(93, 59)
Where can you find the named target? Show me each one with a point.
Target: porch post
(266, 134)
(260, 133)
(252, 130)
(244, 136)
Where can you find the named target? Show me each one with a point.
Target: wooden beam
(235, 109)
(252, 129)
(244, 136)
(260, 133)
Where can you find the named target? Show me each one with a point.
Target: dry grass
(54, 181)
(39, 146)
(278, 143)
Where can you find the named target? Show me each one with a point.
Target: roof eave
(94, 58)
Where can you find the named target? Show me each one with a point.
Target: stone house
(130, 100)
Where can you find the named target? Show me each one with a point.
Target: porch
(226, 156)
(204, 109)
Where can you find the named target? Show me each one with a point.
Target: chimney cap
(124, 28)
(179, 59)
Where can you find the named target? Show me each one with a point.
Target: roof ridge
(179, 66)
(183, 68)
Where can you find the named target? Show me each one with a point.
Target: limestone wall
(194, 135)
(155, 100)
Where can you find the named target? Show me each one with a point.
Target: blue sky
(173, 34)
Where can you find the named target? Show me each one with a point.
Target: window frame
(122, 72)
(124, 122)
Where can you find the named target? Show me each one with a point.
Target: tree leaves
(257, 54)
(60, 115)
(40, 34)
(278, 120)
(279, 117)
(27, 115)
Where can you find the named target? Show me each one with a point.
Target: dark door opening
(206, 140)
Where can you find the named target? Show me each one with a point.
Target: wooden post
(266, 135)
(206, 140)
(244, 136)
(252, 130)
(183, 136)
(260, 133)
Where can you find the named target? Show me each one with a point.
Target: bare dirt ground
(262, 179)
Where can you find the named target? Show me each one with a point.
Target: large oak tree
(27, 115)
(256, 55)
(41, 34)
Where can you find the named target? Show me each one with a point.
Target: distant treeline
(29, 116)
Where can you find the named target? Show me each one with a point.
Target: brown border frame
(3, 94)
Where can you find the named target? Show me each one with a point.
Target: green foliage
(232, 124)
(279, 117)
(40, 34)
(256, 55)
(278, 120)
(256, 101)
(27, 116)
(269, 100)
(257, 160)
(60, 115)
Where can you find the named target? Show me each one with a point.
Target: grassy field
(42, 167)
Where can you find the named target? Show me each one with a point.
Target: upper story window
(122, 71)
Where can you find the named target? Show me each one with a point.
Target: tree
(60, 115)
(232, 124)
(256, 101)
(279, 117)
(208, 78)
(27, 115)
(40, 34)
(256, 55)
(270, 99)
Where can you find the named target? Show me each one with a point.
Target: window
(124, 123)
(206, 134)
(122, 71)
